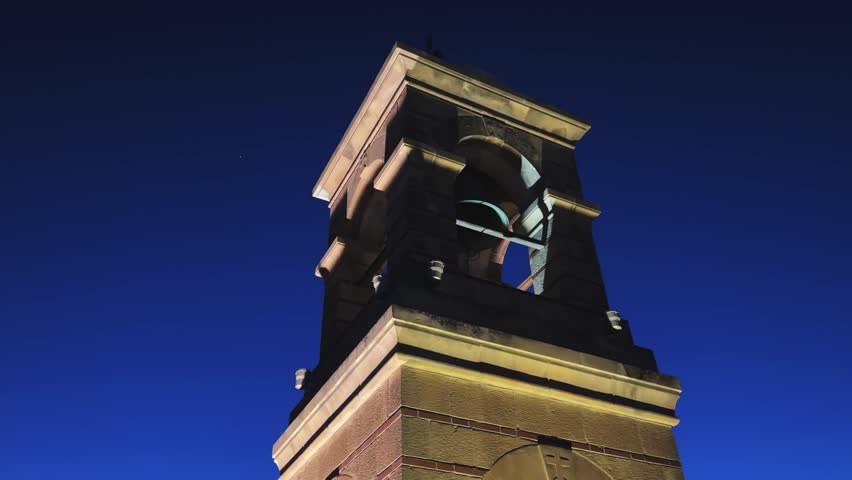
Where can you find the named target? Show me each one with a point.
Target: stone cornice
(534, 217)
(405, 67)
(331, 257)
(560, 200)
(394, 164)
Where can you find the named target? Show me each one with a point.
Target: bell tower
(432, 366)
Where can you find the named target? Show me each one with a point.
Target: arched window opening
(489, 194)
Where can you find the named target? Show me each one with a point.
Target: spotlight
(301, 375)
(436, 269)
(614, 319)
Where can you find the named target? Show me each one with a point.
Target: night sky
(158, 235)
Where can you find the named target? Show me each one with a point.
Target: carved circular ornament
(544, 462)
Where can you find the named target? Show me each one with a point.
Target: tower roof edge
(408, 67)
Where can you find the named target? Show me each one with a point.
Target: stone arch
(469, 125)
(544, 462)
(529, 173)
(496, 178)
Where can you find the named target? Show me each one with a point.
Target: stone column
(567, 269)
(421, 226)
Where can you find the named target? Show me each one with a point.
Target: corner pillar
(421, 226)
(567, 268)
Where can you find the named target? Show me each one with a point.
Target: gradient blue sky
(158, 237)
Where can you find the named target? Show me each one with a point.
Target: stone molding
(400, 156)
(331, 257)
(555, 199)
(534, 217)
(407, 67)
(531, 357)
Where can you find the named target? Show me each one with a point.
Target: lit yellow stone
(447, 443)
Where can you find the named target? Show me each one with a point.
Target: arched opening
(490, 194)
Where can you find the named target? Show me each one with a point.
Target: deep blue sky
(158, 237)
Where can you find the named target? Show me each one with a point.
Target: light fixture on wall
(436, 270)
(614, 319)
(301, 376)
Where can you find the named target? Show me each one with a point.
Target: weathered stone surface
(380, 453)
(657, 440)
(620, 468)
(447, 443)
(544, 462)
(483, 403)
(612, 431)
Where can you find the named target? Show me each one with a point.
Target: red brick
(653, 459)
(485, 426)
(617, 452)
(390, 468)
(470, 470)
(366, 443)
(461, 421)
(580, 446)
(438, 417)
(419, 462)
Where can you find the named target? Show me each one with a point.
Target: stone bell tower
(431, 366)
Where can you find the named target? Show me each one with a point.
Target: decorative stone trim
(532, 436)
(401, 154)
(554, 198)
(536, 214)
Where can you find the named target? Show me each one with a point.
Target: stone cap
(407, 67)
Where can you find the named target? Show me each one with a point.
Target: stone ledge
(400, 155)
(486, 346)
